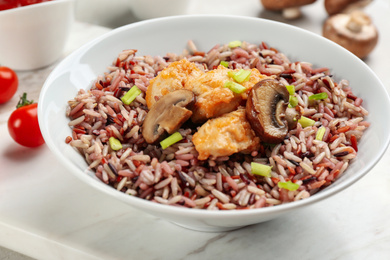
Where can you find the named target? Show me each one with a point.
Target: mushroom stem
(357, 20)
(291, 13)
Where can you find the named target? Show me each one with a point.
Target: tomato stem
(23, 101)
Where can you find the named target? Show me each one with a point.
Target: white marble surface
(46, 213)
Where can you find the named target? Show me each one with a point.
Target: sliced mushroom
(289, 8)
(266, 110)
(292, 117)
(353, 31)
(168, 114)
(344, 6)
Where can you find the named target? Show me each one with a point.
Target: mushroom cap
(338, 6)
(167, 115)
(277, 5)
(358, 36)
(265, 109)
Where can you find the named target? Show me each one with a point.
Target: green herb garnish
(261, 169)
(131, 95)
(305, 122)
(319, 96)
(288, 185)
(235, 87)
(170, 140)
(115, 144)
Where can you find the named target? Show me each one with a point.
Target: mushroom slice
(266, 110)
(167, 115)
(292, 117)
(354, 31)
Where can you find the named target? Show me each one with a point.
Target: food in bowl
(237, 127)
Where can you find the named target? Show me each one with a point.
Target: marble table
(46, 213)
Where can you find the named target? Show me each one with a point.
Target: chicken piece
(225, 135)
(212, 98)
(170, 79)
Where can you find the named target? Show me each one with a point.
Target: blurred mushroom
(344, 6)
(290, 8)
(353, 31)
(265, 109)
(168, 114)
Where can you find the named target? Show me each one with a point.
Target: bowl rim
(142, 203)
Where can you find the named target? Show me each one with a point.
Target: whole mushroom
(354, 31)
(266, 110)
(344, 6)
(167, 115)
(290, 8)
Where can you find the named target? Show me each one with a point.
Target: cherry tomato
(31, 2)
(23, 124)
(8, 4)
(8, 84)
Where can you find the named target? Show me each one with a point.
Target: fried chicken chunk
(225, 135)
(170, 79)
(212, 98)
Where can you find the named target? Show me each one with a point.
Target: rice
(175, 176)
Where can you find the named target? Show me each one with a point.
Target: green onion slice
(293, 101)
(235, 87)
(170, 140)
(242, 75)
(305, 122)
(115, 144)
(288, 185)
(320, 133)
(131, 95)
(234, 44)
(261, 169)
(319, 96)
(291, 89)
(224, 63)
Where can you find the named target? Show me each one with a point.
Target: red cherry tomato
(23, 124)
(8, 4)
(8, 84)
(31, 2)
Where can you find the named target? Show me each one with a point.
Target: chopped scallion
(291, 89)
(261, 169)
(319, 96)
(288, 185)
(230, 73)
(234, 44)
(224, 63)
(170, 140)
(242, 75)
(305, 122)
(293, 101)
(235, 87)
(131, 95)
(115, 144)
(320, 133)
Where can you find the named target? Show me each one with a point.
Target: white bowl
(163, 35)
(148, 9)
(34, 36)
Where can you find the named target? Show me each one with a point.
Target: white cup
(34, 36)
